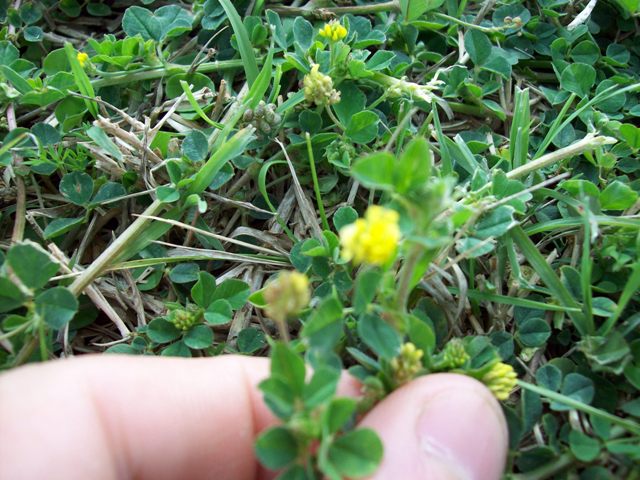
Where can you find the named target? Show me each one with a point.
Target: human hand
(104, 417)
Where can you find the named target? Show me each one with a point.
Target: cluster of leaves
(505, 139)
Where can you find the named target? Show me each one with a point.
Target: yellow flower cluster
(333, 31)
(408, 363)
(185, 319)
(318, 87)
(454, 354)
(372, 239)
(287, 295)
(501, 379)
(82, 58)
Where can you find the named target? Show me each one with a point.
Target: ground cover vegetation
(396, 188)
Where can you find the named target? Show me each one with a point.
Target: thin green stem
(15, 331)
(333, 118)
(42, 338)
(316, 185)
(391, 6)
(449, 18)
(160, 72)
(406, 274)
(628, 425)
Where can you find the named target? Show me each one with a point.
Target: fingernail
(464, 430)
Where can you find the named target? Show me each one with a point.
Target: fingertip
(441, 426)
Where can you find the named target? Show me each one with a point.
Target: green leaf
(585, 448)
(236, 292)
(160, 330)
(631, 134)
(195, 146)
(356, 454)
(103, 141)
(10, 295)
(303, 33)
(202, 291)
(495, 223)
(178, 349)
(577, 387)
(244, 44)
(338, 412)
(174, 21)
(81, 79)
(184, 273)
(366, 287)
(352, 101)
(617, 196)
(276, 448)
(56, 306)
(230, 149)
(414, 166)
(421, 334)
(578, 78)
(375, 171)
(60, 226)
(413, 9)
(478, 46)
(549, 376)
(533, 332)
(107, 192)
(46, 134)
(198, 337)
(344, 216)
(251, 340)
(323, 329)
(378, 335)
(140, 21)
(363, 127)
(167, 194)
(288, 366)
(321, 387)
(77, 187)
(219, 312)
(31, 264)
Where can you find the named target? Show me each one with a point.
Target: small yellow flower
(82, 58)
(501, 379)
(372, 239)
(333, 31)
(287, 295)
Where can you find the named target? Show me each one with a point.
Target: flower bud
(287, 295)
(407, 364)
(318, 88)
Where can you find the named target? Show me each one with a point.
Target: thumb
(440, 427)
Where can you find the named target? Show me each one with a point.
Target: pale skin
(112, 417)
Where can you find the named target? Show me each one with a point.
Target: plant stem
(628, 425)
(159, 72)
(21, 191)
(42, 338)
(15, 331)
(406, 274)
(391, 6)
(444, 16)
(100, 264)
(548, 470)
(316, 186)
(589, 142)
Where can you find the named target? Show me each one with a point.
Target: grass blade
(244, 44)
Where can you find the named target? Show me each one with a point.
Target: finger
(123, 417)
(440, 427)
